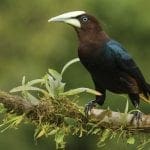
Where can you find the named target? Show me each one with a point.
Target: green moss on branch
(62, 116)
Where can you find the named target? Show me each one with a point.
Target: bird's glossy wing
(124, 61)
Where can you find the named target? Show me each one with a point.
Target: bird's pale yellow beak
(69, 18)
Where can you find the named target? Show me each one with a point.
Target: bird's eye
(84, 19)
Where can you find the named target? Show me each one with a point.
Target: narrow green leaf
(61, 87)
(40, 134)
(54, 131)
(127, 107)
(96, 131)
(27, 88)
(49, 84)
(79, 90)
(105, 135)
(32, 98)
(36, 81)
(68, 64)
(59, 139)
(131, 140)
(53, 86)
(11, 122)
(23, 80)
(55, 74)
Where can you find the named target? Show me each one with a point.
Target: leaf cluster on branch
(45, 103)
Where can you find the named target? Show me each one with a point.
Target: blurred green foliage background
(29, 45)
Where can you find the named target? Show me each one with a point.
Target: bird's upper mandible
(78, 19)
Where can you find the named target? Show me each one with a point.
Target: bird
(110, 65)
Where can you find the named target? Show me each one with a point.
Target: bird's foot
(137, 117)
(88, 107)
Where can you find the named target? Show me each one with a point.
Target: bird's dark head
(80, 20)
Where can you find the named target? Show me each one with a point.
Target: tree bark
(117, 119)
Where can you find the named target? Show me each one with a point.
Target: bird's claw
(88, 107)
(137, 117)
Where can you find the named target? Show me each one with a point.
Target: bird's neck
(91, 43)
(92, 37)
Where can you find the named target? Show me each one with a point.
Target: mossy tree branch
(45, 111)
(45, 104)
